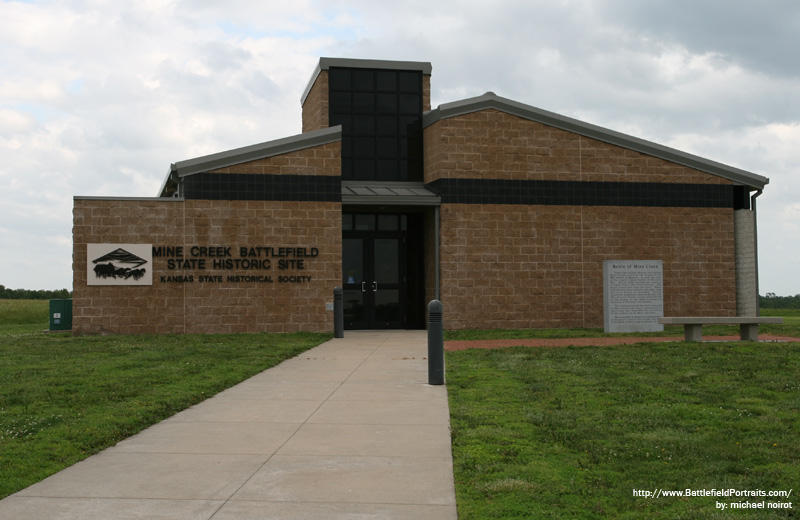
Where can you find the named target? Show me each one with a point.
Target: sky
(99, 97)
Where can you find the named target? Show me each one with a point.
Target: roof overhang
(248, 153)
(258, 151)
(326, 63)
(492, 101)
(360, 193)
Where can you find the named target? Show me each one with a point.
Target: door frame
(370, 287)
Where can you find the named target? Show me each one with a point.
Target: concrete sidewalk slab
(349, 429)
(178, 476)
(210, 438)
(250, 410)
(338, 479)
(279, 391)
(380, 412)
(373, 440)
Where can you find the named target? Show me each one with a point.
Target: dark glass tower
(381, 116)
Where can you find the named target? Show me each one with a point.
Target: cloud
(99, 97)
(758, 36)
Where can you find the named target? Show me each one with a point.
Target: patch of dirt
(590, 342)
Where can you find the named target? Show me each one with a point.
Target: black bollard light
(338, 312)
(435, 343)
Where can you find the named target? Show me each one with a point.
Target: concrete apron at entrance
(348, 429)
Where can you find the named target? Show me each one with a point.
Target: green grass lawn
(24, 316)
(64, 398)
(572, 432)
(790, 327)
(537, 433)
(791, 321)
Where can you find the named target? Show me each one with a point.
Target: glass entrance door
(354, 283)
(386, 286)
(373, 265)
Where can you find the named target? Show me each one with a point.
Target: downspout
(755, 245)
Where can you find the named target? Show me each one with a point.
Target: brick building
(503, 211)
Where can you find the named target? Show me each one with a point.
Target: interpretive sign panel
(633, 295)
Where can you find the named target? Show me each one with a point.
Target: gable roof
(247, 154)
(258, 151)
(492, 101)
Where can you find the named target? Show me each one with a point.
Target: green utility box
(61, 314)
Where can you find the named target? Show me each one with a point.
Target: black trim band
(577, 193)
(245, 186)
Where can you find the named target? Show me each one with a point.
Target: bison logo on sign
(119, 264)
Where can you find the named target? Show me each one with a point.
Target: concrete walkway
(349, 429)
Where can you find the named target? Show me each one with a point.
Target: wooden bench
(693, 327)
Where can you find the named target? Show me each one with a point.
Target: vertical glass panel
(387, 170)
(386, 80)
(387, 305)
(409, 104)
(404, 170)
(341, 101)
(364, 125)
(365, 222)
(387, 261)
(363, 102)
(364, 169)
(363, 80)
(386, 104)
(403, 222)
(408, 81)
(339, 79)
(353, 261)
(364, 148)
(387, 126)
(387, 148)
(347, 222)
(387, 222)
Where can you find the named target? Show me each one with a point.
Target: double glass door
(373, 265)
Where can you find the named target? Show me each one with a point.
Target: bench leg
(748, 332)
(693, 332)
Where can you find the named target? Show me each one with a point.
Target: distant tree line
(769, 301)
(28, 294)
(772, 301)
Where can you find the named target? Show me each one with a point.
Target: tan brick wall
(131, 309)
(320, 160)
(206, 307)
(315, 107)
(512, 266)
(491, 144)
(198, 307)
(695, 244)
